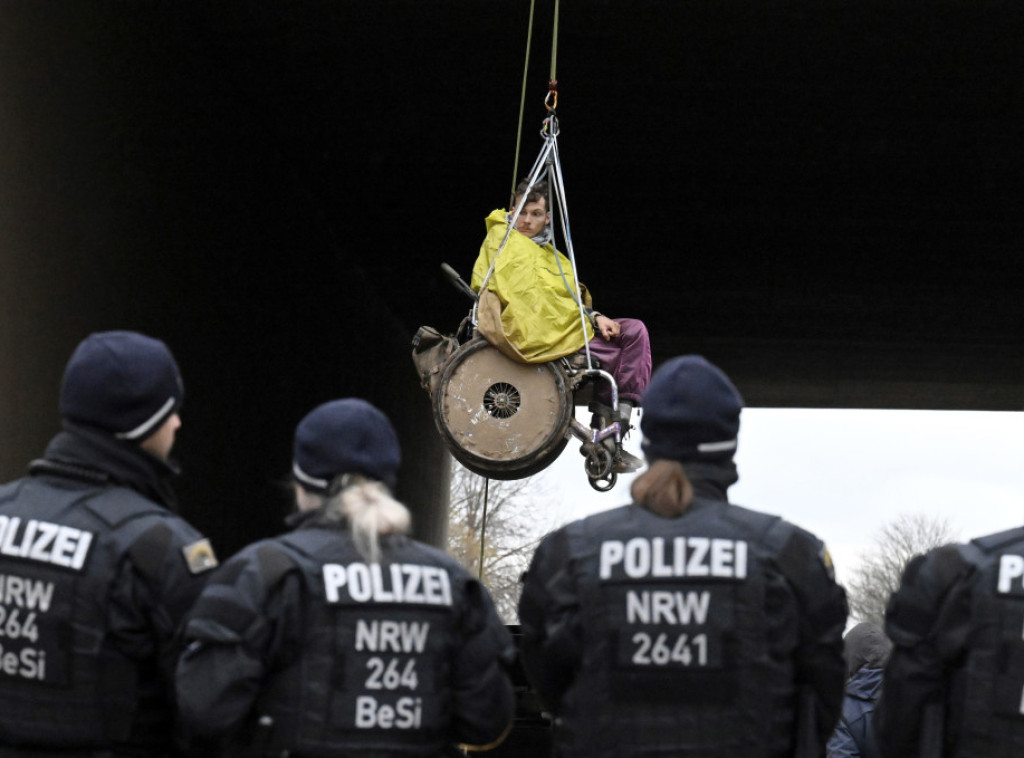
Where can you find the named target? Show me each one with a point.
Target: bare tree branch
(513, 531)
(880, 569)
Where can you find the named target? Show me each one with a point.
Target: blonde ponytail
(370, 511)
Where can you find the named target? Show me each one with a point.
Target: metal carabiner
(551, 100)
(549, 128)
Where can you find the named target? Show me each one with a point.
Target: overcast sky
(843, 474)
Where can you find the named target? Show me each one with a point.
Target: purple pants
(627, 358)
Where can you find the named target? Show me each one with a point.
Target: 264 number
(391, 676)
(15, 626)
(658, 651)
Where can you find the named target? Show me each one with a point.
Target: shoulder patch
(199, 556)
(826, 560)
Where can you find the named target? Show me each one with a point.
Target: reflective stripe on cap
(716, 447)
(305, 478)
(142, 429)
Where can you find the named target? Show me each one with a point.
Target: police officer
(680, 624)
(96, 570)
(954, 684)
(345, 636)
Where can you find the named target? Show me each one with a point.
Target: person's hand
(607, 328)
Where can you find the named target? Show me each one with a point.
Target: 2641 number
(660, 650)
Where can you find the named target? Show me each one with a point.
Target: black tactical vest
(61, 684)
(371, 675)
(688, 636)
(986, 713)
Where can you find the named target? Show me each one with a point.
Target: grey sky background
(843, 474)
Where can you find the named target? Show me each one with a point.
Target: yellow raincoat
(529, 311)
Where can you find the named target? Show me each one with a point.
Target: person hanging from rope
(529, 309)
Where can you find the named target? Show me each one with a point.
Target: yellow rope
(522, 106)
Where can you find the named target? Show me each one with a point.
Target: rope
(483, 531)
(551, 99)
(522, 101)
(534, 177)
(554, 49)
(559, 183)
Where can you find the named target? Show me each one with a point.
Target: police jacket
(298, 645)
(95, 576)
(955, 681)
(718, 633)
